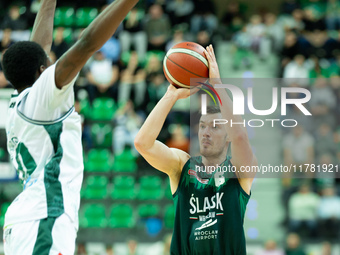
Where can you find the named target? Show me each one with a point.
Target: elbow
(139, 144)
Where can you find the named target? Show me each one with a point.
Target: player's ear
(41, 69)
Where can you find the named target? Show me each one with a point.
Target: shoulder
(45, 81)
(182, 159)
(192, 161)
(46, 77)
(49, 71)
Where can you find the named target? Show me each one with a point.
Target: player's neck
(214, 160)
(22, 89)
(217, 159)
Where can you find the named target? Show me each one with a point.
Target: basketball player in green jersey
(209, 207)
(44, 133)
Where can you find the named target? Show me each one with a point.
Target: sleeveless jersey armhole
(243, 200)
(241, 189)
(245, 194)
(180, 178)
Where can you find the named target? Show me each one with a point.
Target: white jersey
(44, 141)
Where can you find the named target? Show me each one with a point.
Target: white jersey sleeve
(46, 102)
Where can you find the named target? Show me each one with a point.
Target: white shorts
(50, 236)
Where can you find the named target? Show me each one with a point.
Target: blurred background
(126, 205)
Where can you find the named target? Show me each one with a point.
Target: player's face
(212, 139)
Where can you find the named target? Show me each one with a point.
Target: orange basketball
(184, 61)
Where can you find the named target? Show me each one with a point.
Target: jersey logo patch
(193, 173)
(207, 224)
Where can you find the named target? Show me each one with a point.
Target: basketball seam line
(178, 83)
(184, 68)
(189, 52)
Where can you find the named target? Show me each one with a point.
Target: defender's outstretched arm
(91, 40)
(42, 32)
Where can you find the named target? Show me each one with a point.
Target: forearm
(152, 126)
(237, 128)
(234, 131)
(103, 27)
(42, 32)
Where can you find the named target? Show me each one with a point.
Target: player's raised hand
(214, 73)
(180, 93)
(177, 93)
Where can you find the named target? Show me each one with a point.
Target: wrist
(215, 80)
(171, 95)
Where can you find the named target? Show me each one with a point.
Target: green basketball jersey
(209, 212)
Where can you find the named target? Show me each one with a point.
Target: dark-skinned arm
(42, 32)
(91, 40)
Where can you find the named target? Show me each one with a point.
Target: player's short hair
(212, 109)
(21, 62)
(195, 117)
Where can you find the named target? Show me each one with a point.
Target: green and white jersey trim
(49, 161)
(40, 122)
